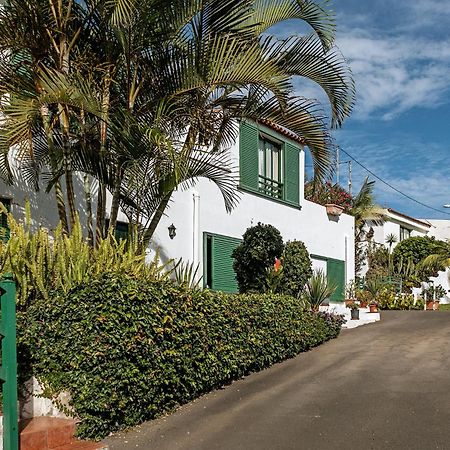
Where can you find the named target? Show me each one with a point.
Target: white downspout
(196, 233)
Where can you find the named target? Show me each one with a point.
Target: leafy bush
(128, 350)
(416, 249)
(388, 299)
(297, 269)
(261, 245)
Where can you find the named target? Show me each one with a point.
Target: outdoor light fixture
(172, 231)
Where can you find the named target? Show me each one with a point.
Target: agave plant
(318, 289)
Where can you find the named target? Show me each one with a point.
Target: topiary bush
(297, 269)
(128, 350)
(256, 254)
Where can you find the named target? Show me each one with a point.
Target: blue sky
(399, 51)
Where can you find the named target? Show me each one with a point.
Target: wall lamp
(172, 231)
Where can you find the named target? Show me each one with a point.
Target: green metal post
(9, 363)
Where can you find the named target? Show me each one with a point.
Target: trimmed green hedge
(129, 350)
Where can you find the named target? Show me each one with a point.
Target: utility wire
(393, 187)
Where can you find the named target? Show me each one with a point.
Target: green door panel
(336, 275)
(220, 275)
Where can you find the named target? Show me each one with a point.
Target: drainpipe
(196, 232)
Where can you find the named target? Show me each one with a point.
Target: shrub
(128, 350)
(388, 299)
(297, 268)
(255, 256)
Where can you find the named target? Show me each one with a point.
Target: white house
(402, 227)
(271, 186)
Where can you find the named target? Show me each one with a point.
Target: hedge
(128, 350)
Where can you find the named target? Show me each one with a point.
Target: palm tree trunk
(59, 194)
(115, 200)
(148, 233)
(101, 209)
(88, 198)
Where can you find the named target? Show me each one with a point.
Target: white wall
(310, 224)
(440, 229)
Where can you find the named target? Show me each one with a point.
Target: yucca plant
(318, 289)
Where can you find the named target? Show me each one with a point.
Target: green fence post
(9, 363)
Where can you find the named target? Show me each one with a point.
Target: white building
(271, 186)
(271, 169)
(402, 227)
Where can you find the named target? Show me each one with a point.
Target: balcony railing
(270, 187)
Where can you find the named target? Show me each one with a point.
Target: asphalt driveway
(380, 386)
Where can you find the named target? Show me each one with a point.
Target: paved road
(381, 386)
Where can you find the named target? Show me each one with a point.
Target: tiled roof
(284, 131)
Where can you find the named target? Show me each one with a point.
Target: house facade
(402, 227)
(271, 165)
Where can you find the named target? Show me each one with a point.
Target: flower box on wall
(334, 210)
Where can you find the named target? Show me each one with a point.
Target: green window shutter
(291, 174)
(223, 277)
(336, 275)
(248, 155)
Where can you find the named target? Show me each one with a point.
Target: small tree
(255, 255)
(297, 268)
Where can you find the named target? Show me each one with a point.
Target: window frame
(268, 185)
(404, 231)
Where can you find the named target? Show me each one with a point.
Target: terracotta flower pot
(429, 305)
(349, 301)
(436, 305)
(334, 210)
(363, 304)
(373, 308)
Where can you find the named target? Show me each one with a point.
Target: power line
(393, 187)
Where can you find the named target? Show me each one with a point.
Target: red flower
(277, 265)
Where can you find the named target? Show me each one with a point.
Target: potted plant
(354, 310)
(334, 210)
(373, 306)
(350, 292)
(363, 298)
(318, 289)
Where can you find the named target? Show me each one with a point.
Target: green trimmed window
(270, 168)
(218, 263)
(269, 164)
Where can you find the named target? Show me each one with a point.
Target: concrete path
(381, 386)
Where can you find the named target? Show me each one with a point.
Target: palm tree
(146, 96)
(364, 209)
(440, 260)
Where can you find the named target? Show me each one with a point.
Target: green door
(336, 275)
(218, 263)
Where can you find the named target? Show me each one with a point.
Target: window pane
(276, 165)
